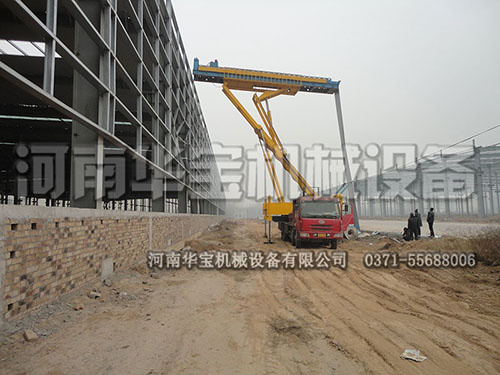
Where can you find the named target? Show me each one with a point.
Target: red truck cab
(320, 220)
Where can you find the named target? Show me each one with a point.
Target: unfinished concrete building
(98, 109)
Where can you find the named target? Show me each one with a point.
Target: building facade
(99, 109)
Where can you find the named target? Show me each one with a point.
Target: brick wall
(47, 252)
(170, 230)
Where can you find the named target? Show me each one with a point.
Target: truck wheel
(298, 243)
(334, 244)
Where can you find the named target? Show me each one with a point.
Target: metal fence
(458, 184)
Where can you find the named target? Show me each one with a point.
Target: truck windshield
(323, 209)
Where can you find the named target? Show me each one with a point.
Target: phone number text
(419, 259)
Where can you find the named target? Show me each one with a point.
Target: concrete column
(195, 209)
(159, 183)
(158, 192)
(86, 177)
(140, 36)
(99, 186)
(183, 197)
(49, 62)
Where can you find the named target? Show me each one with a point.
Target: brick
(30, 335)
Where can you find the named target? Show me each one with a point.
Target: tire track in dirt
(292, 329)
(339, 310)
(381, 286)
(421, 305)
(353, 309)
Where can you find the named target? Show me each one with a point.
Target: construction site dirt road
(353, 321)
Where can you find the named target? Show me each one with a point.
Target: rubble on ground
(78, 307)
(29, 335)
(94, 294)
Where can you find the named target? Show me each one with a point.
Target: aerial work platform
(260, 81)
(270, 85)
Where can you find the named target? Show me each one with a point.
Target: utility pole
(492, 201)
(350, 182)
(498, 197)
(420, 182)
(479, 179)
(446, 189)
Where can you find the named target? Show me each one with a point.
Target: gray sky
(425, 71)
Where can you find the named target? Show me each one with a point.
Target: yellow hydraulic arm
(272, 144)
(269, 85)
(269, 138)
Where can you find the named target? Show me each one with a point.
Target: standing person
(419, 220)
(430, 221)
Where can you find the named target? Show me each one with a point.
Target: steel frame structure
(127, 65)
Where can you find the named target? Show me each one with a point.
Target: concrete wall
(47, 252)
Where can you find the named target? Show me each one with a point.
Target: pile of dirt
(485, 245)
(215, 237)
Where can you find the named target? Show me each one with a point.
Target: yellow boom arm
(269, 85)
(271, 142)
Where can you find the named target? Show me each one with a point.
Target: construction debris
(94, 294)
(413, 355)
(78, 307)
(213, 227)
(30, 335)
(126, 296)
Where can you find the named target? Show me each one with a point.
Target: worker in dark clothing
(430, 221)
(407, 236)
(419, 219)
(413, 227)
